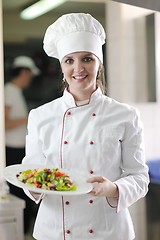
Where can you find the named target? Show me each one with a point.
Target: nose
(78, 66)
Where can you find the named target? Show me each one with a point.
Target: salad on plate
(46, 178)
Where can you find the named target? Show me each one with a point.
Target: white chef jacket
(101, 138)
(18, 109)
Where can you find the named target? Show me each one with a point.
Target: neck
(81, 95)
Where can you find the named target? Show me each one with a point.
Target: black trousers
(15, 156)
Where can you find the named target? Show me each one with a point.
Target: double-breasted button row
(90, 230)
(69, 113)
(91, 142)
(90, 201)
(67, 203)
(69, 232)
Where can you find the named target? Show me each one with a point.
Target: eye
(87, 59)
(69, 61)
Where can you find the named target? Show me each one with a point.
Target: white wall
(150, 115)
(126, 57)
(126, 52)
(127, 67)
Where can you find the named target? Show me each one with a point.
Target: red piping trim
(61, 161)
(110, 204)
(61, 158)
(118, 199)
(61, 164)
(63, 219)
(84, 104)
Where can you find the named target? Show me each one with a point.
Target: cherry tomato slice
(59, 174)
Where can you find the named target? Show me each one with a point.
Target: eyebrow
(85, 55)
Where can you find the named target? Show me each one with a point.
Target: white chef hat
(27, 62)
(74, 32)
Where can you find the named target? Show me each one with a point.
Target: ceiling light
(40, 8)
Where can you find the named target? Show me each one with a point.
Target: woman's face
(80, 70)
(25, 78)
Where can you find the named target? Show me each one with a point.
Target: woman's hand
(104, 187)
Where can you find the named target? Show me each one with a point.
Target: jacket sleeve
(34, 154)
(133, 182)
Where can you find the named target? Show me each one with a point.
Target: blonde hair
(101, 81)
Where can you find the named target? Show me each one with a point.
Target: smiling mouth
(80, 77)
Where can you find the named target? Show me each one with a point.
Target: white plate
(83, 187)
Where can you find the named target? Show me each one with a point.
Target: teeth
(79, 77)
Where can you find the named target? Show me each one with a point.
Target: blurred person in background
(16, 116)
(16, 112)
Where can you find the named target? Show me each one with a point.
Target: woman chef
(87, 131)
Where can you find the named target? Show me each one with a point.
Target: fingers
(98, 179)
(97, 191)
(94, 192)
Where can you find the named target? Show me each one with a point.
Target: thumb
(98, 179)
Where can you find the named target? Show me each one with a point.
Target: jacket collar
(69, 99)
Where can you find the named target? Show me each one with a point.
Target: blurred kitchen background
(132, 67)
